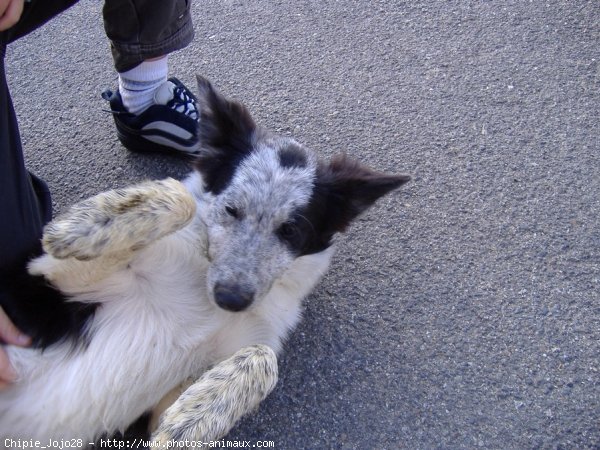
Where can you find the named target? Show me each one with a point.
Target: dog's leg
(71, 275)
(120, 221)
(101, 234)
(211, 406)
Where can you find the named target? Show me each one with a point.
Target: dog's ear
(351, 188)
(226, 136)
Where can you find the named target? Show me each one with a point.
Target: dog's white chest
(150, 332)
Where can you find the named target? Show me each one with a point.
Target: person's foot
(171, 124)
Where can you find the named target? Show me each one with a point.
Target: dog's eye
(233, 212)
(287, 231)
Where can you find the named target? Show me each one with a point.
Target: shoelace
(184, 103)
(107, 95)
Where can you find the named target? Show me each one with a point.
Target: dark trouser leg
(24, 199)
(23, 212)
(145, 29)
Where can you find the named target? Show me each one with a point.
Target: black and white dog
(142, 288)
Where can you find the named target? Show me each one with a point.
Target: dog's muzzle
(232, 297)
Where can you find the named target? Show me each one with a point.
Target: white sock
(137, 86)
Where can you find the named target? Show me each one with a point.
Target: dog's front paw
(120, 220)
(211, 406)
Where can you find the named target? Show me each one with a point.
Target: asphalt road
(461, 312)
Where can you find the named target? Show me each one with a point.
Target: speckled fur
(101, 235)
(157, 324)
(161, 260)
(208, 408)
(121, 220)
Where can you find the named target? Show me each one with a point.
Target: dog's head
(271, 200)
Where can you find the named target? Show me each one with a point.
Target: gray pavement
(461, 312)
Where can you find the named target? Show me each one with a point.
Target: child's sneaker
(170, 124)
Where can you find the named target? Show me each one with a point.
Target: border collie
(139, 289)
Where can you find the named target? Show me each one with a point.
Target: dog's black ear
(351, 188)
(226, 136)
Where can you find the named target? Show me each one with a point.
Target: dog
(141, 288)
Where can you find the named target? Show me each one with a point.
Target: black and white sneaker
(170, 124)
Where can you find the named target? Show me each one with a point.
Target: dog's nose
(232, 297)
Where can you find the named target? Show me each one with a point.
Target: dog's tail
(211, 406)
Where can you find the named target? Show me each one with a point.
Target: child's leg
(151, 111)
(140, 30)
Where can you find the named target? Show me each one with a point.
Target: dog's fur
(153, 284)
